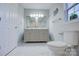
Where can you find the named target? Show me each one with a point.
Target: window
(70, 9)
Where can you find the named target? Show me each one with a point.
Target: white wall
(11, 26)
(54, 23)
(59, 26)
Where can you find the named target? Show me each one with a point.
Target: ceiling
(36, 5)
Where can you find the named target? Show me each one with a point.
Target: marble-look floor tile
(31, 49)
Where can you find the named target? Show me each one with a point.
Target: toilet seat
(57, 44)
(59, 47)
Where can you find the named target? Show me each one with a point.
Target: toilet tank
(71, 37)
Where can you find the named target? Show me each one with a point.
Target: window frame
(68, 8)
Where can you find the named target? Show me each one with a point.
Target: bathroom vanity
(36, 27)
(36, 35)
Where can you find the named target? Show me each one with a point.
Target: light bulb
(34, 15)
(41, 15)
(30, 15)
(38, 15)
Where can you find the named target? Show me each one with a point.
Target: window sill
(73, 21)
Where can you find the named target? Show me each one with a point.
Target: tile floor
(31, 49)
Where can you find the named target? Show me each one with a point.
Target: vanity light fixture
(37, 15)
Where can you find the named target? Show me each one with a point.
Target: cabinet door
(36, 35)
(41, 35)
(26, 35)
(45, 35)
(32, 38)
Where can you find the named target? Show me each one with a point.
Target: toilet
(62, 48)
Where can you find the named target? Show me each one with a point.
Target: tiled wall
(11, 26)
(58, 27)
(55, 24)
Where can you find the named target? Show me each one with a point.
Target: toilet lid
(57, 44)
